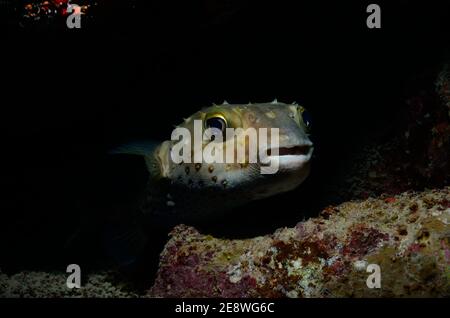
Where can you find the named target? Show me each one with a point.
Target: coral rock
(407, 236)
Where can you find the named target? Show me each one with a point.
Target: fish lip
(291, 158)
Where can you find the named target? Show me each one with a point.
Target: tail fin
(147, 150)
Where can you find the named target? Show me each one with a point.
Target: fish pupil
(216, 122)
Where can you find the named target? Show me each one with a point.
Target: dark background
(135, 68)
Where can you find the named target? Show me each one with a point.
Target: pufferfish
(185, 191)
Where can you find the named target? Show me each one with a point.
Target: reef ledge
(407, 236)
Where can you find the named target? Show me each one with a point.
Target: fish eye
(216, 121)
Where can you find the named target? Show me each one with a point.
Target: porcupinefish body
(190, 192)
(186, 190)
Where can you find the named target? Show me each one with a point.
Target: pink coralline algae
(362, 240)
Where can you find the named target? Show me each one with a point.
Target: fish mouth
(294, 158)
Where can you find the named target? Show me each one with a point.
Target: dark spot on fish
(186, 170)
(201, 183)
(251, 117)
(190, 182)
(198, 166)
(211, 169)
(214, 179)
(181, 163)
